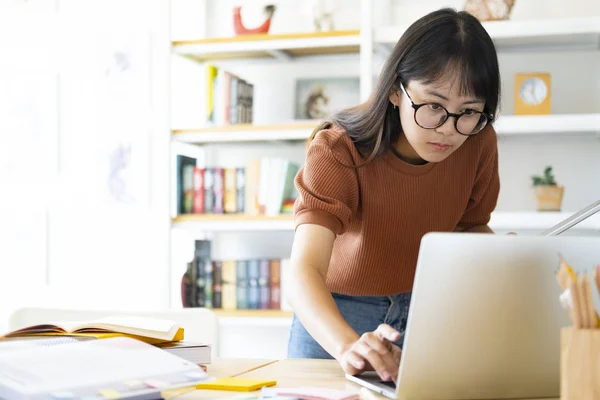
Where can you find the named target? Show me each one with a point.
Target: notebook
(150, 330)
(119, 367)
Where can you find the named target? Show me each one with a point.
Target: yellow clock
(532, 94)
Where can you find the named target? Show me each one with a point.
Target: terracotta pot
(549, 198)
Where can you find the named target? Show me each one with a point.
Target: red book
(198, 190)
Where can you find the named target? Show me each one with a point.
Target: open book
(149, 330)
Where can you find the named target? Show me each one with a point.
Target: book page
(138, 324)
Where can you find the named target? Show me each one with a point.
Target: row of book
(229, 98)
(233, 284)
(264, 187)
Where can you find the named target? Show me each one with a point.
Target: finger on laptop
(384, 331)
(383, 364)
(355, 360)
(373, 341)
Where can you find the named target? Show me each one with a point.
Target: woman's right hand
(373, 351)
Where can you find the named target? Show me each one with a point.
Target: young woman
(419, 156)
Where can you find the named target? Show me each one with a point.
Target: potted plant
(548, 193)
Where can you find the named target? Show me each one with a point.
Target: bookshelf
(500, 221)
(506, 125)
(366, 47)
(238, 133)
(530, 35)
(253, 313)
(270, 46)
(233, 223)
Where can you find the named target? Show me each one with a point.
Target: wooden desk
(287, 373)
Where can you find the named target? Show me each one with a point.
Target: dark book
(202, 257)
(208, 285)
(217, 284)
(184, 164)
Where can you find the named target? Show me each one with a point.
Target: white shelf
(500, 220)
(276, 46)
(229, 223)
(245, 133)
(538, 221)
(548, 124)
(505, 125)
(564, 33)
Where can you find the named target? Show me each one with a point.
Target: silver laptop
(485, 319)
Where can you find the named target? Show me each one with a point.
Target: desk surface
(287, 373)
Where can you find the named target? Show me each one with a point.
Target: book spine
(208, 284)
(218, 190)
(229, 285)
(202, 258)
(275, 285)
(188, 189)
(209, 197)
(218, 284)
(253, 290)
(234, 100)
(240, 183)
(263, 285)
(198, 190)
(230, 191)
(242, 284)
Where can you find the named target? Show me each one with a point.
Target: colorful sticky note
(109, 394)
(236, 384)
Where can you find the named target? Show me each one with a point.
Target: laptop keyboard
(389, 384)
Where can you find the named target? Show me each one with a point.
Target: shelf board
(233, 222)
(519, 220)
(548, 124)
(538, 220)
(253, 313)
(246, 133)
(276, 46)
(526, 35)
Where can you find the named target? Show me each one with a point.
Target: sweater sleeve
(327, 184)
(484, 195)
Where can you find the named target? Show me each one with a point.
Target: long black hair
(440, 42)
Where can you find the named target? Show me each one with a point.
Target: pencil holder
(580, 364)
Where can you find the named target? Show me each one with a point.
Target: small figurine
(240, 29)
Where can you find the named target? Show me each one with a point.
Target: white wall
(69, 238)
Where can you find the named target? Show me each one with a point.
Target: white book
(117, 367)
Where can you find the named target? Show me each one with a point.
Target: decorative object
(548, 193)
(319, 97)
(532, 93)
(322, 12)
(489, 10)
(240, 29)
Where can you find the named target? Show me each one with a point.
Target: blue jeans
(363, 314)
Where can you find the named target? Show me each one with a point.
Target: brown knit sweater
(381, 210)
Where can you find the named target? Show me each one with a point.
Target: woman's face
(419, 145)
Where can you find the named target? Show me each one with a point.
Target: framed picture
(316, 98)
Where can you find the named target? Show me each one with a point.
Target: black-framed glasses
(434, 115)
